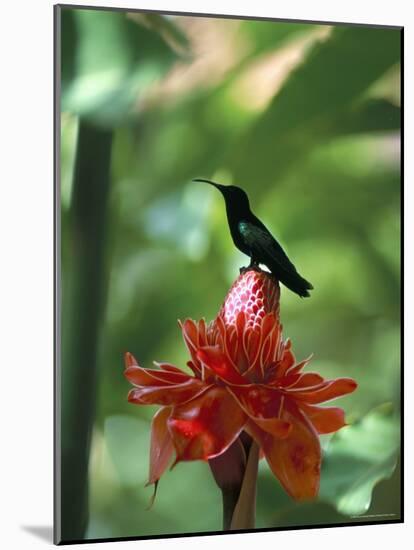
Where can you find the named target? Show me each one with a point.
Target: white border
(26, 283)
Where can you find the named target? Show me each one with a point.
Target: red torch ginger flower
(244, 378)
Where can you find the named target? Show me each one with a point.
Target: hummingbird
(253, 238)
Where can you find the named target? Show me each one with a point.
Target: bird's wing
(265, 247)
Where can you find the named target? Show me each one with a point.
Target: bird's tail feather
(296, 283)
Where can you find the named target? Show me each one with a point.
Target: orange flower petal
(153, 377)
(195, 368)
(231, 342)
(161, 445)
(295, 369)
(202, 333)
(275, 426)
(326, 391)
(296, 460)
(241, 358)
(258, 401)
(167, 395)
(287, 361)
(168, 367)
(190, 335)
(269, 322)
(206, 426)
(130, 360)
(226, 338)
(253, 347)
(270, 332)
(263, 406)
(275, 343)
(324, 419)
(287, 381)
(306, 380)
(214, 358)
(263, 345)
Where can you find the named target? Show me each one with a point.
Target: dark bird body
(253, 238)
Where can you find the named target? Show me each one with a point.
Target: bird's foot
(251, 267)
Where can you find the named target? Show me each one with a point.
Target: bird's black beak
(217, 185)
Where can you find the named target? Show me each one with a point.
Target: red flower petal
(263, 406)
(202, 333)
(215, 359)
(287, 361)
(270, 334)
(130, 360)
(231, 345)
(167, 395)
(195, 368)
(255, 293)
(241, 356)
(295, 369)
(262, 346)
(254, 338)
(326, 391)
(168, 367)
(161, 445)
(226, 338)
(324, 419)
(153, 377)
(285, 382)
(259, 401)
(296, 460)
(275, 426)
(206, 426)
(190, 335)
(306, 380)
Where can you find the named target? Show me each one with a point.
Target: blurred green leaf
(169, 31)
(312, 513)
(333, 75)
(372, 115)
(127, 438)
(357, 458)
(265, 36)
(108, 59)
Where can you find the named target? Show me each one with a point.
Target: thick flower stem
(228, 470)
(239, 496)
(230, 496)
(244, 515)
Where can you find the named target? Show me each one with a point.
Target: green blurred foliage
(319, 156)
(357, 458)
(114, 60)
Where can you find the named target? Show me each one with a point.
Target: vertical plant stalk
(83, 304)
(244, 515)
(230, 496)
(235, 472)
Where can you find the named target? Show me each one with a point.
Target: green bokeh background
(306, 118)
